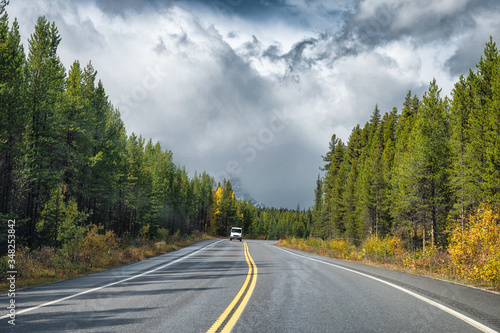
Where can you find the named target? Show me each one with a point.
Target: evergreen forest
(67, 163)
(417, 173)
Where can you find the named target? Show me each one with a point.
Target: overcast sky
(255, 89)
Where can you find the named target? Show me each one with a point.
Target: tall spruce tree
(432, 160)
(371, 184)
(402, 195)
(475, 136)
(45, 76)
(333, 187)
(486, 132)
(317, 226)
(388, 128)
(12, 115)
(461, 169)
(351, 193)
(331, 151)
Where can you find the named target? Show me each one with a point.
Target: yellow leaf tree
(223, 210)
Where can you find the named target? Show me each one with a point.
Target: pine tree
(227, 207)
(337, 227)
(351, 192)
(488, 98)
(12, 115)
(371, 184)
(45, 76)
(75, 150)
(246, 215)
(216, 219)
(205, 196)
(329, 155)
(110, 172)
(475, 136)
(60, 219)
(332, 212)
(460, 170)
(432, 161)
(389, 125)
(317, 227)
(298, 224)
(402, 191)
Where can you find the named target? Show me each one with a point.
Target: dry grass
(389, 253)
(97, 251)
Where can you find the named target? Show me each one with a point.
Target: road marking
(111, 284)
(458, 315)
(251, 276)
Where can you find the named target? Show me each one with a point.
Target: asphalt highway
(253, 286)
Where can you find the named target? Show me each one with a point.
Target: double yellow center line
(229, 317)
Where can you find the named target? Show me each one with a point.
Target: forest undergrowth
(472, 258)
(94, 251)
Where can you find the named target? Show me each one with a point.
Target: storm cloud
(255, 89)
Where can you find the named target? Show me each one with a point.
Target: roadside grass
(96, 252)
(390, 253)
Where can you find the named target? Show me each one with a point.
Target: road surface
(252, 286)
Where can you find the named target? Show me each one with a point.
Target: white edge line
(458, 315)
(109, 284)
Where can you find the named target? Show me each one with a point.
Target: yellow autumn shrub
(342, 249)
(376, 248)
(314, 242)
(431, 260)
(94, 249)
(475, 252)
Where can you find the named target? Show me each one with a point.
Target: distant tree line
(417, 173)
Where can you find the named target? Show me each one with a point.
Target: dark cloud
(232, 34)
(471, 46)
(464, 58)
(273, 53)
(130, 7)
(249, 9)
(85, 38)
(295, 57)
(389, 21)
(280, 175)
(160, 47)
(252, 48)
(373, 24)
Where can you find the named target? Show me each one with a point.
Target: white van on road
(235, 233)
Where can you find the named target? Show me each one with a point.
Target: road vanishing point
(253, 286)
